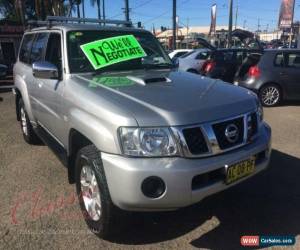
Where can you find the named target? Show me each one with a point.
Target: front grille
(220, 132)
(195, 141)
(252, 125)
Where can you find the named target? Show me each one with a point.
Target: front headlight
(147, 142)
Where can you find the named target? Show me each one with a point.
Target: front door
(291, 74)
(49, 91)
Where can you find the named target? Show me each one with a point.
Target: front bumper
(125, 175)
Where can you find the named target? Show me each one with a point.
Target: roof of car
(282, 50)
(70, 27)
(236, 49)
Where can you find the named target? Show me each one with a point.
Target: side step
(57, 149)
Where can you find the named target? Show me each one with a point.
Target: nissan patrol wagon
(134, 133)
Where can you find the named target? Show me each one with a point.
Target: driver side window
(53, 53)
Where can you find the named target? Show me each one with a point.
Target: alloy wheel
(270, 96)
(24, 121)
(90, 192)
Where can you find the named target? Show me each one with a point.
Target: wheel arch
(191, 70)
(76, 141)
(274, 83)
(18, 97)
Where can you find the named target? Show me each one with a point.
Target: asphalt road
(38, 209)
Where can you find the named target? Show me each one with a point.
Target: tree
(7, 9)
(21, 10)
(97, 2)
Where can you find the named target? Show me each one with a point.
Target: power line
(134, 8)
(164, 13)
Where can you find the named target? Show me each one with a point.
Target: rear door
(24, 70)
(290, 74)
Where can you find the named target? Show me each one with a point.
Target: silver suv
(134, 133)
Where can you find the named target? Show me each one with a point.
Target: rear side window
(188, 54)
(202, 56)
(179, 54)
(38, 47)
(223, 56)
(25, 50)
(293, 60)
(279, 60)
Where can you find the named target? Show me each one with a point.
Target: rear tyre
(27, 130)
(270, 95)
(95, 202)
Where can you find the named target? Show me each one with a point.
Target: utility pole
(236, 16)
(187, 33)
(99, 9)
(103, 9)
(127, 10)
(230, 23)
(83, 10)
(174, 25)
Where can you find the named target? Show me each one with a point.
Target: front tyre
(95, 202)
(270, 95)
(27, 130)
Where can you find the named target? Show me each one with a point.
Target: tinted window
(53, 53)
(223, 56)
(239, 57)
(293, 60)
(38, 47)
(202, 56)
(279, 60)
(26, 48)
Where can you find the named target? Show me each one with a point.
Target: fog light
(153, 187)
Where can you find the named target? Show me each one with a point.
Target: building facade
(10, 38)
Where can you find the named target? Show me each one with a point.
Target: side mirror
(45, 70)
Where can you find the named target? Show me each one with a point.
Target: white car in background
(178, 53)
(193, 61)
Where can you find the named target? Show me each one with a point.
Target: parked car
(178, 53)
(224, 63)
(3, 70)
(192, 62)
(134, 133)
(274, 76)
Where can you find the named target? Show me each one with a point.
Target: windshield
(79, 63)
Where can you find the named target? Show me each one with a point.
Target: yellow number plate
(240, 170)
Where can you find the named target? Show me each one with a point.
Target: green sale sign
(105, 52)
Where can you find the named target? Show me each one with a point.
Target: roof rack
(50, 20)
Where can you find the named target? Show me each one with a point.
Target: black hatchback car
(224, 63)
(275, 76)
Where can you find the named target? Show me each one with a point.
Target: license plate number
(240, 170)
